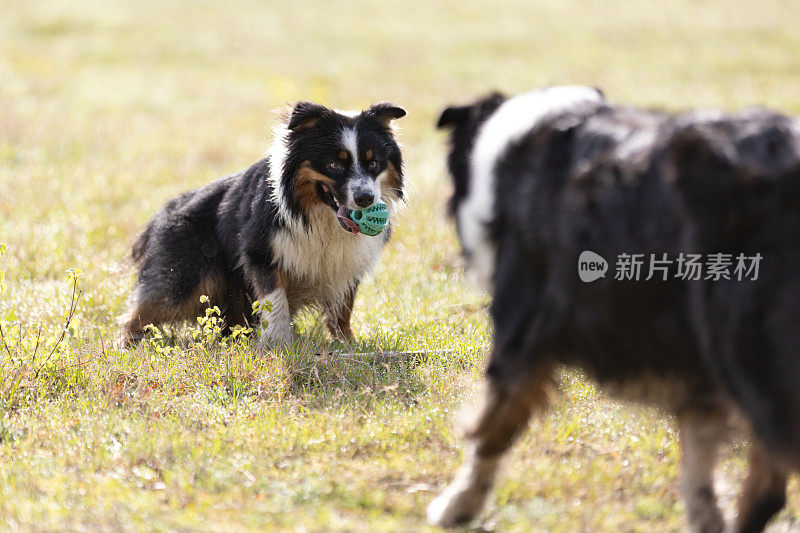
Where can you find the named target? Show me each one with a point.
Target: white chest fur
(324, 258)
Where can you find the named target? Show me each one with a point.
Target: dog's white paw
(457, 505)
(277, 333)
(273, 339)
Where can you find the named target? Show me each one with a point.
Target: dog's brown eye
(335, 165)
(373, 165)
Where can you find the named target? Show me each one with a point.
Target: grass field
(107, 109)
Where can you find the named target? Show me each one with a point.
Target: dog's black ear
(453, 116)
(386, 112)
(305, 114)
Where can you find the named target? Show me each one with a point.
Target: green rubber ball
(371, 220)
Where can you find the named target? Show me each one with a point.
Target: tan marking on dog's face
(305, 186)
(369, 155)
(393, 182)
(343, 155)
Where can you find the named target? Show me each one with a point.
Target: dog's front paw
(275, 341)
(272, 337)
(457, 505)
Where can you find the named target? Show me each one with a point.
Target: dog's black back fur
(207, 232)
(727, 184)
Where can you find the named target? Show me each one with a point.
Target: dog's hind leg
(156, 304)
(151, 307)
(504, 415)
(702, 430)
(141, 312)
(764, 491)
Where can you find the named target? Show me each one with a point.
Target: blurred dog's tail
(140, 246)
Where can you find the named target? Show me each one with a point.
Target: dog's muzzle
(343, 215)
(342, 212)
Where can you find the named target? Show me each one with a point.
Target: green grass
(107, 109)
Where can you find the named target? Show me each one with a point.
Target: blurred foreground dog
(279, 231)
(541, 178)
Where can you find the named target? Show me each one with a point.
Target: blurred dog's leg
(504, 415)
(701, 432)
(338, 320)
(764, 491)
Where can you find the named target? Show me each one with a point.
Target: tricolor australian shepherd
(278, 231)
(541, 178)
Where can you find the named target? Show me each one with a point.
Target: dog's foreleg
(269, 285)
(337, 319)
(504, 415)
(465, 496)
(276, 321)
(701, 432)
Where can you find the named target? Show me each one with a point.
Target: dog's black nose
(363, 198)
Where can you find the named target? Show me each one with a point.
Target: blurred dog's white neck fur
(509, 123)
